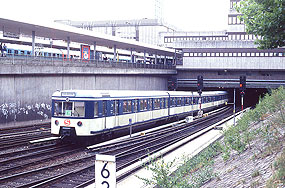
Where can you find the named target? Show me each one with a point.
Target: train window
(166, 103)
(116, 107)
(16, 52)
(156, 104)
(136, 105)
(79, 109)
(67, 108)
(187, 101)
(150, 104)
(29, 52)
(112, 108)
(141, 105)
(76, 109)
(104, 108)
(22, 52)
(162, 101)
(145, 104)
(96, 111)
(127, 106)
(172, 102)
(58, 108)
(179, 101)
(195, 100)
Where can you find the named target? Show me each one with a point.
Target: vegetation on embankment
(257, 137)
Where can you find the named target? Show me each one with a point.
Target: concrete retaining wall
(28, 96)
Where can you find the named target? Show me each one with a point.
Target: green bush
(196, 170)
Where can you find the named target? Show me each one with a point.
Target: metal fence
(61, 61)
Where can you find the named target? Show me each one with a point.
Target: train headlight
(56, 122)
(79, 123)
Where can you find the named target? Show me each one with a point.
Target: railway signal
(200, 83)
(172, 84)
(242, 85)
(199, 88)
(242, 88)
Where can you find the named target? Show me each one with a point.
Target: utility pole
(234, 107)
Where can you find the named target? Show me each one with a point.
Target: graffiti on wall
(14, 112)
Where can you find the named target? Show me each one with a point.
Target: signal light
(200, 83)
(172, 84)
(242, 84)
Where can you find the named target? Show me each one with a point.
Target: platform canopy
(57, 31)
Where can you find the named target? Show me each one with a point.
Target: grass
(255, 174)
(278, 178)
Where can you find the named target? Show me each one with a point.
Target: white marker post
(105, 171)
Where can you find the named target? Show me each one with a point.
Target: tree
(264, 18)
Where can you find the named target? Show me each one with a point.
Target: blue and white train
(82, 113)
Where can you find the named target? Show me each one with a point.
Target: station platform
(190, 149)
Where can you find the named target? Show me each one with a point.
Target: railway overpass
(221, 60)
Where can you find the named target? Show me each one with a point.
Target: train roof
(126, 93)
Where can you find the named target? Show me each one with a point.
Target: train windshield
(71, 109)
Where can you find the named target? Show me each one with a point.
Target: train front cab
(69, 118)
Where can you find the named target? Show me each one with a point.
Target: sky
(188, 15)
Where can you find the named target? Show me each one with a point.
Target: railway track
(76, 169)
(13, 138)
(16, 130)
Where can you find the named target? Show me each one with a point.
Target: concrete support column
(94, 44)
(155, 58)
(144, 57)
(164, 60)
(113, 31)
(68, 47)
(132, 60)
(33, 42)
(174, 60)
(137, 33)
(115, 51)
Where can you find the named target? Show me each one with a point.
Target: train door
(110, 119)
(104, 114)
(116, 112)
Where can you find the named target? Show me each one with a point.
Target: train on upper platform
(103, 54)
(85, 113)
